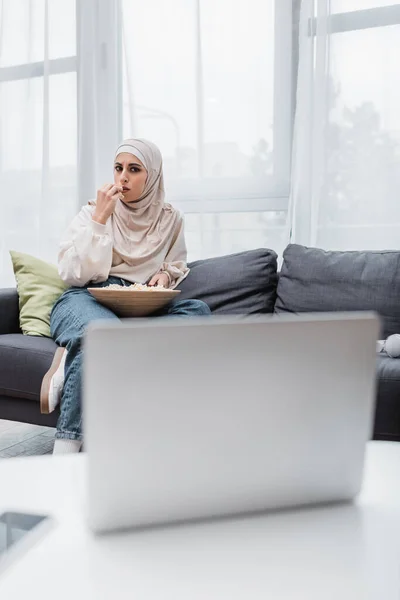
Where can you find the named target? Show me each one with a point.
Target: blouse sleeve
(175, 265)
(85, 251)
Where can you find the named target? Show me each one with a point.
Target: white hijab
(148, 234)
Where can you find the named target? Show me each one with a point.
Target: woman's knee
(198, 307)
(73, 313)
(203, 307)
(67, 324)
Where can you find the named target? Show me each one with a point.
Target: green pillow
(39, 286)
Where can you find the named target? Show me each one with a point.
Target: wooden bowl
(127, 303)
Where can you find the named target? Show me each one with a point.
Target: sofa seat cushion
(243, 283)
(24, 361)
(314, 280)
(387, 418)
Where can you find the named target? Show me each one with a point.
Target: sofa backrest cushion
(9, 311)
(314, 280)
(243, 283)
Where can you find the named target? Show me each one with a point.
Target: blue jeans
(72, 312)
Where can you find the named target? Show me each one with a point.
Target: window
(211, 85)
(359, 203)
(38, 126)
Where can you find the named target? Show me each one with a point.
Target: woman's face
(130, 174)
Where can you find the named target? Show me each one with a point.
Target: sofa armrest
(9, 311)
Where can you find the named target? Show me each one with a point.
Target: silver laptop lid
(191, 418)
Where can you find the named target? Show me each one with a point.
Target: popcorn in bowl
(137, 287)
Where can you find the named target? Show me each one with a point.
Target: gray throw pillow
(243, 283)
(314, 280)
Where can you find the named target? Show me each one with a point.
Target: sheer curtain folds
(346, 153)
(38, 127)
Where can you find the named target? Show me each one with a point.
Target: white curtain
(38, 127)
(346, 157)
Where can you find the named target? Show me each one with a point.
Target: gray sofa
(246, 283)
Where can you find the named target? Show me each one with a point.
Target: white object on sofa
(391, 345)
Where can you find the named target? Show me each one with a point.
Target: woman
(127, 235)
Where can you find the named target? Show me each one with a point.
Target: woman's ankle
(67, 446)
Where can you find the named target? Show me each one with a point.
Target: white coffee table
(343, 552)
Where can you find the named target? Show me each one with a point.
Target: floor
(21, 439)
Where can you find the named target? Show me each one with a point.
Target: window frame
(53, 66)
(357, 20)
(38, 69)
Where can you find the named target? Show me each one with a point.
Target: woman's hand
(159, 279)
(107, 198)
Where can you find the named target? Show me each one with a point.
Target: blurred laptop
(196, 418)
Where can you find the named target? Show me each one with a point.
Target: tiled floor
(20, 439)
